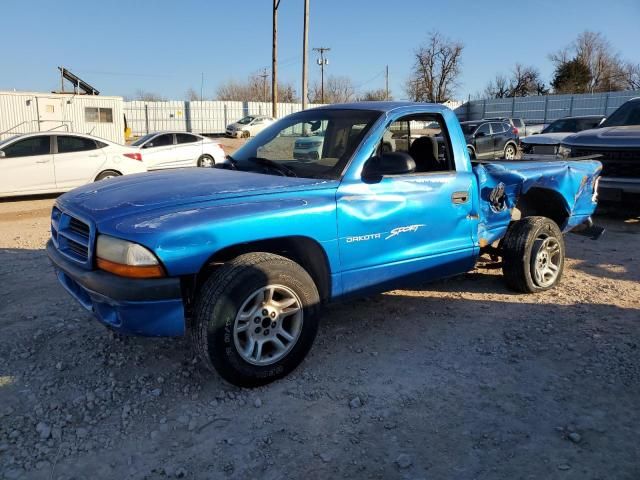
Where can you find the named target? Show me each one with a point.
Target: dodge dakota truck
(241, 258)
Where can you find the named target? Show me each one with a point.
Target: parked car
(248, 126)
(47, 162)
(548, 141)
(243, 258)
(617, 143)
(521, 128)
(178, 149)
(490, 140)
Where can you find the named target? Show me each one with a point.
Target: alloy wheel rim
(268, 325)
(206, 162)
(546, 260)
(509, 154)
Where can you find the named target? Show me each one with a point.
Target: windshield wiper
(286, 171)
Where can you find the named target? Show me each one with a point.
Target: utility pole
(264, 75)
(274, 62)
(305, 53)
(386, 83)
(322, 62)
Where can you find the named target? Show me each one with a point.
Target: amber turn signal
(131, 271)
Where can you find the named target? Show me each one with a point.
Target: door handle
(93, 156)
(459, 197)
(43, 161)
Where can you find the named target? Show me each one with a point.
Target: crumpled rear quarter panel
(573, 180)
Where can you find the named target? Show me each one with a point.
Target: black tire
(108, 174)
(204, 159)
(219, 302)
(246, 134)
(472, 154)
(512, 148)
(522, 249)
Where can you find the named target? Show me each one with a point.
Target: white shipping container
(27, 112)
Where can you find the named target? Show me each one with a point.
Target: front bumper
(148, 307)
(613, 188)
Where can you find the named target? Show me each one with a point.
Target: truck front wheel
(533, 255)
(255, 319)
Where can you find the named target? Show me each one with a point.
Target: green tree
(573, 76)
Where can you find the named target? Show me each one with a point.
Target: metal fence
(545, 108)
(208, 117)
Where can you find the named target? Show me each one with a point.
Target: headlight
(563, 152)
(126, 259)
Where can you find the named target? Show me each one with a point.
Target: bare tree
(524, 81)
(436, 70)
(375, 95)
(148, 96)
(337, 89)
(498, 87)
(633, 75)
(254, 89)
(607, 71)
(191, 95)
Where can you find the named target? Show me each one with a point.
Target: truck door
(415, 226)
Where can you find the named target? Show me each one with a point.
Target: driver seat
(424, 151)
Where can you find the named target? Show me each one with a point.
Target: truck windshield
(310, 144)
(627, 114)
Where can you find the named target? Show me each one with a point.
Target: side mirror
(480, 134)
(390, 163)
(2, 154)
(148, 145)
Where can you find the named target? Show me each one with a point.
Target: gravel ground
(461, 379)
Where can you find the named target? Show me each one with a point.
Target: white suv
(248, 126)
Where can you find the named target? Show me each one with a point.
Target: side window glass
(496, 128)
(484, 128)
(29, 147)
(162, 140)
(74, 144)
(424, 138)
(186, 138)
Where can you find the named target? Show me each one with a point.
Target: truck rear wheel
(255, 319)
(533, 255)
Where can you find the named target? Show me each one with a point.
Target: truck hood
(141, 193)
(546, 138)
(607, 137)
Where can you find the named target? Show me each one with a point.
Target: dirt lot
(460, 380)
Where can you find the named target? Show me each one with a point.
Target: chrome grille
(615, 163)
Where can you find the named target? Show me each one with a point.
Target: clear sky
(164, 46)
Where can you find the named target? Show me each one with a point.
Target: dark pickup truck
(616, 143)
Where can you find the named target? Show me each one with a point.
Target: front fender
(185, 239)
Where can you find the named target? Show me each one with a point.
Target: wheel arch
(543, 202)
(105, 171)
(305, 251)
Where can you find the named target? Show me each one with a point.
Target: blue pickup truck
(241, 257)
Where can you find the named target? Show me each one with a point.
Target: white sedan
(37, 163)
(178, 149)
(248, 126)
